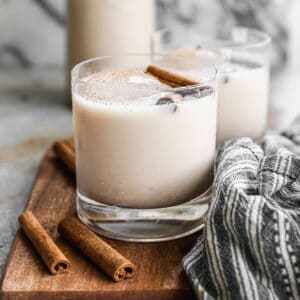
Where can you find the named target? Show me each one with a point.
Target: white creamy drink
(243, 91)
(108, 27)
(242, 88)
(138, 143)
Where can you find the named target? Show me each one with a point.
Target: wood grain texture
(159, 269)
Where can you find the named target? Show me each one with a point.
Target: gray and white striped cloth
(250, 246)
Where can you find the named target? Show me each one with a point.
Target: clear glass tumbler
(144, 150)
(243, 62)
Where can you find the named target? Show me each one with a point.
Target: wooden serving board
(159, 269)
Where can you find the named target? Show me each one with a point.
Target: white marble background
(31, 35)
(32, 32)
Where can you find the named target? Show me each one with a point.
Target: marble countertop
(33, 114)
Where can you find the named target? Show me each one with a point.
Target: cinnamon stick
(64, 150)
(167, 76)
(52, 256)
(164, 81)
(96, 249)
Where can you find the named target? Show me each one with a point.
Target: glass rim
(264, 39)
(75, 80)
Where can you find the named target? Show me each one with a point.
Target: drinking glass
(143, 163)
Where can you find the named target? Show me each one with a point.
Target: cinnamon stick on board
(167, 76)
(102, 254)
(55, 260)
(64, 150)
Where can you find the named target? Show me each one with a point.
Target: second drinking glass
(242, 59)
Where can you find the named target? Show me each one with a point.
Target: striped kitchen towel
(250, 246)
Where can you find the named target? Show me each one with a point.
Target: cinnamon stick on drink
(166, 82)
(52, 256)
(164, 75)
(96, 249)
